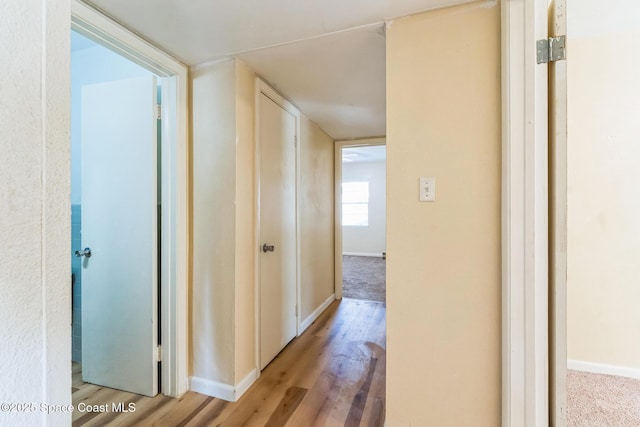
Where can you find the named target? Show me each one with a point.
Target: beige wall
(245, 218)
(603, 175)
(443, 266)
(223, 197)
(35, 215)
(316, 216)
(214, 219)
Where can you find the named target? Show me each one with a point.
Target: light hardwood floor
(332, 375)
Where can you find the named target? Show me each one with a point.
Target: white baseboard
(601, 368)
(316, 313)
(220, 390)
(378, 255)
(212, 388)
(245, 383)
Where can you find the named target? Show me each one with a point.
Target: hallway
(332, 375)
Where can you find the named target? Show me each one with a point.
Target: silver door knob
(266, 248)
(86, 253)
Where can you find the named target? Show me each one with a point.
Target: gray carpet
(364, 278)
(595, 400)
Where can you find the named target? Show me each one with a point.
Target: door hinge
(551, 50)
(297, 312)
(159, 353)
(158, 111)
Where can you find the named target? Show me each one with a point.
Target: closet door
(277, 133)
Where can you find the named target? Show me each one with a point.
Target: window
(355, 204)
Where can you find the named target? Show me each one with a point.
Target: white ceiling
(373, 153)
(326, 56)
(338, 80)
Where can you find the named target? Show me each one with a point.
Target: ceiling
(326, 56)
(367, 154)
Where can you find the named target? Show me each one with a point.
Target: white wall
(35, 313)
(444, 258)
(213, 221)
(245, 218)
(92, 65)
(372, 239)
(603, 246)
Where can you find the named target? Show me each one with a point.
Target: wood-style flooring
(332, 375)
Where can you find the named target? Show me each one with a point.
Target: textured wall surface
(316, 216)
(245, 219)
(603, 205)
(443, 265)
(35, 312)
(213, 222)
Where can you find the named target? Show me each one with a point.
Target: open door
(119, 230)
(558, 224)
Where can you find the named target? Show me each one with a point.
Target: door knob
(266, 248)
(86, 253)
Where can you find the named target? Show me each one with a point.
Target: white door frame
(525, 262)
(339, 145)
(263, 87)
(175, 178)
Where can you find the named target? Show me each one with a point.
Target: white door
(558, 224)
(277, 131)
(119, 225)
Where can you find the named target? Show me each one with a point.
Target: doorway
(361, 219)
(595, 253)
(173, 154)
(116, 212)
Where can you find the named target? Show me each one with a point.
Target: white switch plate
(428, 189)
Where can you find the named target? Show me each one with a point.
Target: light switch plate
(428, 189)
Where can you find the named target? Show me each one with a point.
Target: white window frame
(356, 203)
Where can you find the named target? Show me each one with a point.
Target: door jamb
(339, 145)
(525, 271)
(175, 226)
(558, 230)
(262, 87)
